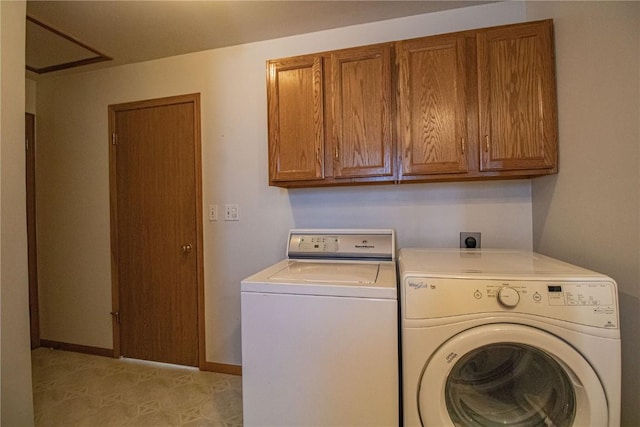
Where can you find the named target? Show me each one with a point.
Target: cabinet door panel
(517, 110)
(432, 105)
(362, 144)
(296, 119)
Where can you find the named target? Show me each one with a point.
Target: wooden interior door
(30, 145)
(156, 226)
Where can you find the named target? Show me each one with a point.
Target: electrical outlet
(470, 239)
(231, 212)
(213, 212)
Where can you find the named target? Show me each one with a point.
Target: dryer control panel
(591, 303)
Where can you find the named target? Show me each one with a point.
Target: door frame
(34, 310)
(193, 98)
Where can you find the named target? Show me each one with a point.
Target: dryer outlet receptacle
(470, 239)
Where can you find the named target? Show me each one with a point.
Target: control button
(537, 297)
(477, 294)
(508, 297)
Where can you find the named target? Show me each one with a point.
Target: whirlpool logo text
(418, 285)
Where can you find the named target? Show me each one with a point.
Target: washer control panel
(592, 303)
(314, 244)
(336, 244)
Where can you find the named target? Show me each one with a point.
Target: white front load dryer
(507, 338)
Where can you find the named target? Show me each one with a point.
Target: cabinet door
(362, 143)
(296, 119)
(517, 98)
(432, 100)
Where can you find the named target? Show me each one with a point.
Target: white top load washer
(320, 333)
(496, 337)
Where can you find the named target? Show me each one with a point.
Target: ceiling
(74, 36)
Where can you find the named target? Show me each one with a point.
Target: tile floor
(75, 389)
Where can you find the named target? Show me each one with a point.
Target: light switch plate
(213, 212)
(231, 212)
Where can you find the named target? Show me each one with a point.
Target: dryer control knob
(508, 297)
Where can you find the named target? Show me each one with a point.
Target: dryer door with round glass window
(509, 375)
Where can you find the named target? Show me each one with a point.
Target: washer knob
(508, 297)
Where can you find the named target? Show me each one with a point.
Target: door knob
(186, 248)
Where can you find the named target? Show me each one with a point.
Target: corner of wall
(16, 396)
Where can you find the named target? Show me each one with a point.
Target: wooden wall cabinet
(432, 100)
(330, 118)
(296, 119)
(472, 105)
(517, 98)
(361, 113)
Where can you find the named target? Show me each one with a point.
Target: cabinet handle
(318, 155)
(462, 144)
(336, 152)
(486, 143)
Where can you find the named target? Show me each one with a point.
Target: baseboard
(57, 345)
(222, 368)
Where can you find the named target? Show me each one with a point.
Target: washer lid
(328, 272)
(360, 279)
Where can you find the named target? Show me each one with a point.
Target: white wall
(16, 407)
(73, 193)
(589, 213)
